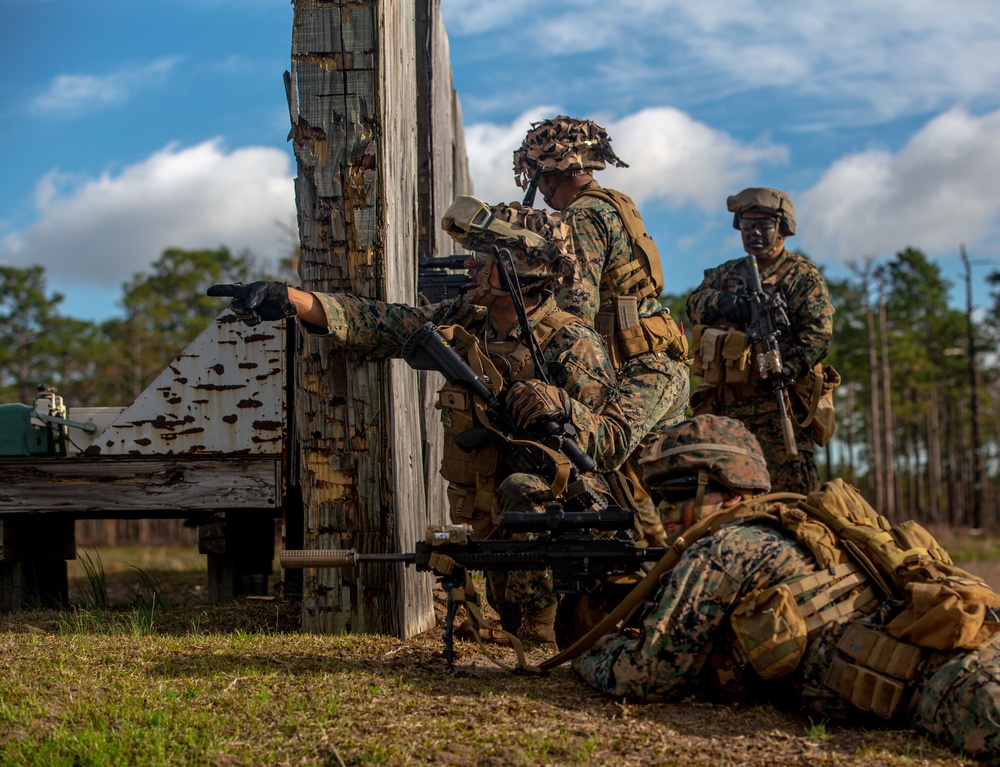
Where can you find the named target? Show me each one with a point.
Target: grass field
(162, 678)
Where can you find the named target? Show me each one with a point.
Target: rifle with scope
(581, 548)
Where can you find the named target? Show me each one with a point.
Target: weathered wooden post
(368, 193)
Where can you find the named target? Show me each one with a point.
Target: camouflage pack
(946, 607)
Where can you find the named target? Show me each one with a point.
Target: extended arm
(366, 326)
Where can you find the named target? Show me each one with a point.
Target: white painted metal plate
(224, 394)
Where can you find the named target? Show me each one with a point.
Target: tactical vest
(625, 334)
(473, 476)
(864, 561)
(724, 356)
(641, 277)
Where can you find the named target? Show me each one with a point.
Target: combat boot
(538, 625)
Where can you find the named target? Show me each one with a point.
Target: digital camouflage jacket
(575, 359)
(810, 313)
(686, 645)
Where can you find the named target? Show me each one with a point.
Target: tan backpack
(946, 608)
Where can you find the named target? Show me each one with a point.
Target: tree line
(109, 362)
(917, 422)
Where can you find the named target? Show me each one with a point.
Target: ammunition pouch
(874, 672)
(772, 625)
(723, 356)
(627, 336)
(471, 476)
(770, 631)
(815, 393)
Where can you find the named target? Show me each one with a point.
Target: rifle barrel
(443, 262)
(296, 559)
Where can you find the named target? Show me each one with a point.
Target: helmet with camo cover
(538, 241)
(764, 199)
(565, 145)
(722, 449)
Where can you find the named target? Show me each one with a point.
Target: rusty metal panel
(224, 394)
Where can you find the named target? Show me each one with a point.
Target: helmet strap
(481, 286)
(697, 511)
(529, 195)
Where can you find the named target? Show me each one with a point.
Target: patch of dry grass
(237, 684)
(285, 698)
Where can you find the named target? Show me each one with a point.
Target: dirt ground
(692, 732)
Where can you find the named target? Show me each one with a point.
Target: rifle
(571, 545)
(436, 286)
(767, 318)
(426, 349)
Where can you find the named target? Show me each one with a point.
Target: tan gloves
(533, 401)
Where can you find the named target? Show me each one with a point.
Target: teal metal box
(19, 437)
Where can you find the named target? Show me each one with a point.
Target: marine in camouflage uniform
(618, 278)
(581, 389)
(765, 218)
(686, 643)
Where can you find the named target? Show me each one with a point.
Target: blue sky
(128, 127)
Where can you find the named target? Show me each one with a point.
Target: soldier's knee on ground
(496, 594)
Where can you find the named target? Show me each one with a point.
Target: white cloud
(938, 191)
(73, 95)
(671, 157)
(675, 158)
(101, 231)
(874, 61)
(490, 149)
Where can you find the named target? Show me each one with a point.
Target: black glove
(733, 307)
(532, 401)
(257, 301)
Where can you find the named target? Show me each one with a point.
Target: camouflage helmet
(538, 241)
(765, 199)
(564, 145)
(721, 447)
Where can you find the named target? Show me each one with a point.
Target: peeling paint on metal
(193, 406)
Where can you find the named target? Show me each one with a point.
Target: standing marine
(725, 357)
(818, 600)
(618, 278)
